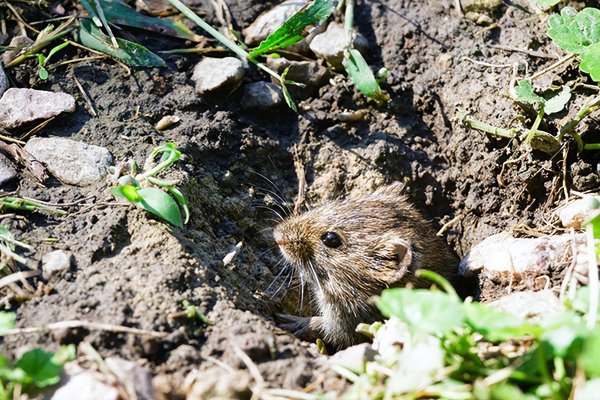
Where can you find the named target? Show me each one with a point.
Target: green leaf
(130, 53)
(42, 367)
(563, 334)
(525, 93)
(422, 310)
(293, 30)
(120, 13)
(591, 355)
(557, 103)
(128, 192)
(573, 31)
(361, 75)
(158, 202)
(7, 321)
(547, 4)
(590, 61)
(496, 325)
(286, 93)
(43, 73)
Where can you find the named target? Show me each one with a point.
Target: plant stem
(220, 37)
(485, 127)
(591, 106)
(535, 126)
(591, 146)
(349, 22)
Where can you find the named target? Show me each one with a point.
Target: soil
(134, 270)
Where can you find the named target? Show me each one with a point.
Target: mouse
(348, 251)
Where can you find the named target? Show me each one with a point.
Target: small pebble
(21, 106)
(80, 384)
(72, 162)
(261, 96)
(269, 21)
(56, 261)
(217, 74)
(330, 45)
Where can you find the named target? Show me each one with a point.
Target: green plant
(43, 60)
(354, 63)
(461, 350)
(158, 196)
(578, 33)
(35, 368)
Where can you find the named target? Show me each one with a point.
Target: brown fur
(344, 280)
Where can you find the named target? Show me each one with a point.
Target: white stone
(330, 45)
(530, 304)
(502, 253)
(573, 214)
(139, 377)
(16, 44)
(21, 106)
(261, 96)
(72, 162)
(269, 21)
(214, 74)
(85, 386)
(56, 261)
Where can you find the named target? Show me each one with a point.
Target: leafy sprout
(158, 196)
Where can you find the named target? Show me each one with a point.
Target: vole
(349, 251)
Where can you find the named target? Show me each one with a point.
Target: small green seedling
(524, 92)
(355, 65)
(34, 369)
(193, 313)
(160, 197)
(43, 60)
(579, 33)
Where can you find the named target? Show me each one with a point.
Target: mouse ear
(402, 252)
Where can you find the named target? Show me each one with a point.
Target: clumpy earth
(131, 269)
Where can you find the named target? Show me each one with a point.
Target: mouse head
(366, 244)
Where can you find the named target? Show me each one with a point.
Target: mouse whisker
(278, 200)
(273, 211)
(286, 283)
(283, 270)
(302, 285)
(313, 272)
(278, 194)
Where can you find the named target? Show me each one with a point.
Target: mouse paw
(307, 328)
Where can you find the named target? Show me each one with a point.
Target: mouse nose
(278, 236)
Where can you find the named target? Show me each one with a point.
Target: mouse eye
(331, 239)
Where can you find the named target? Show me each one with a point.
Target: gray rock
(18, 42)
(139, 377)
(308, 72)
(80, 384)
(261, 96)
(215, 74)
(502, 254)
(72, 162)
(7, 171)
(3, 81)
(20, 106)
(267, 22)
(56, 261)
(330, 45)
(529, 304)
